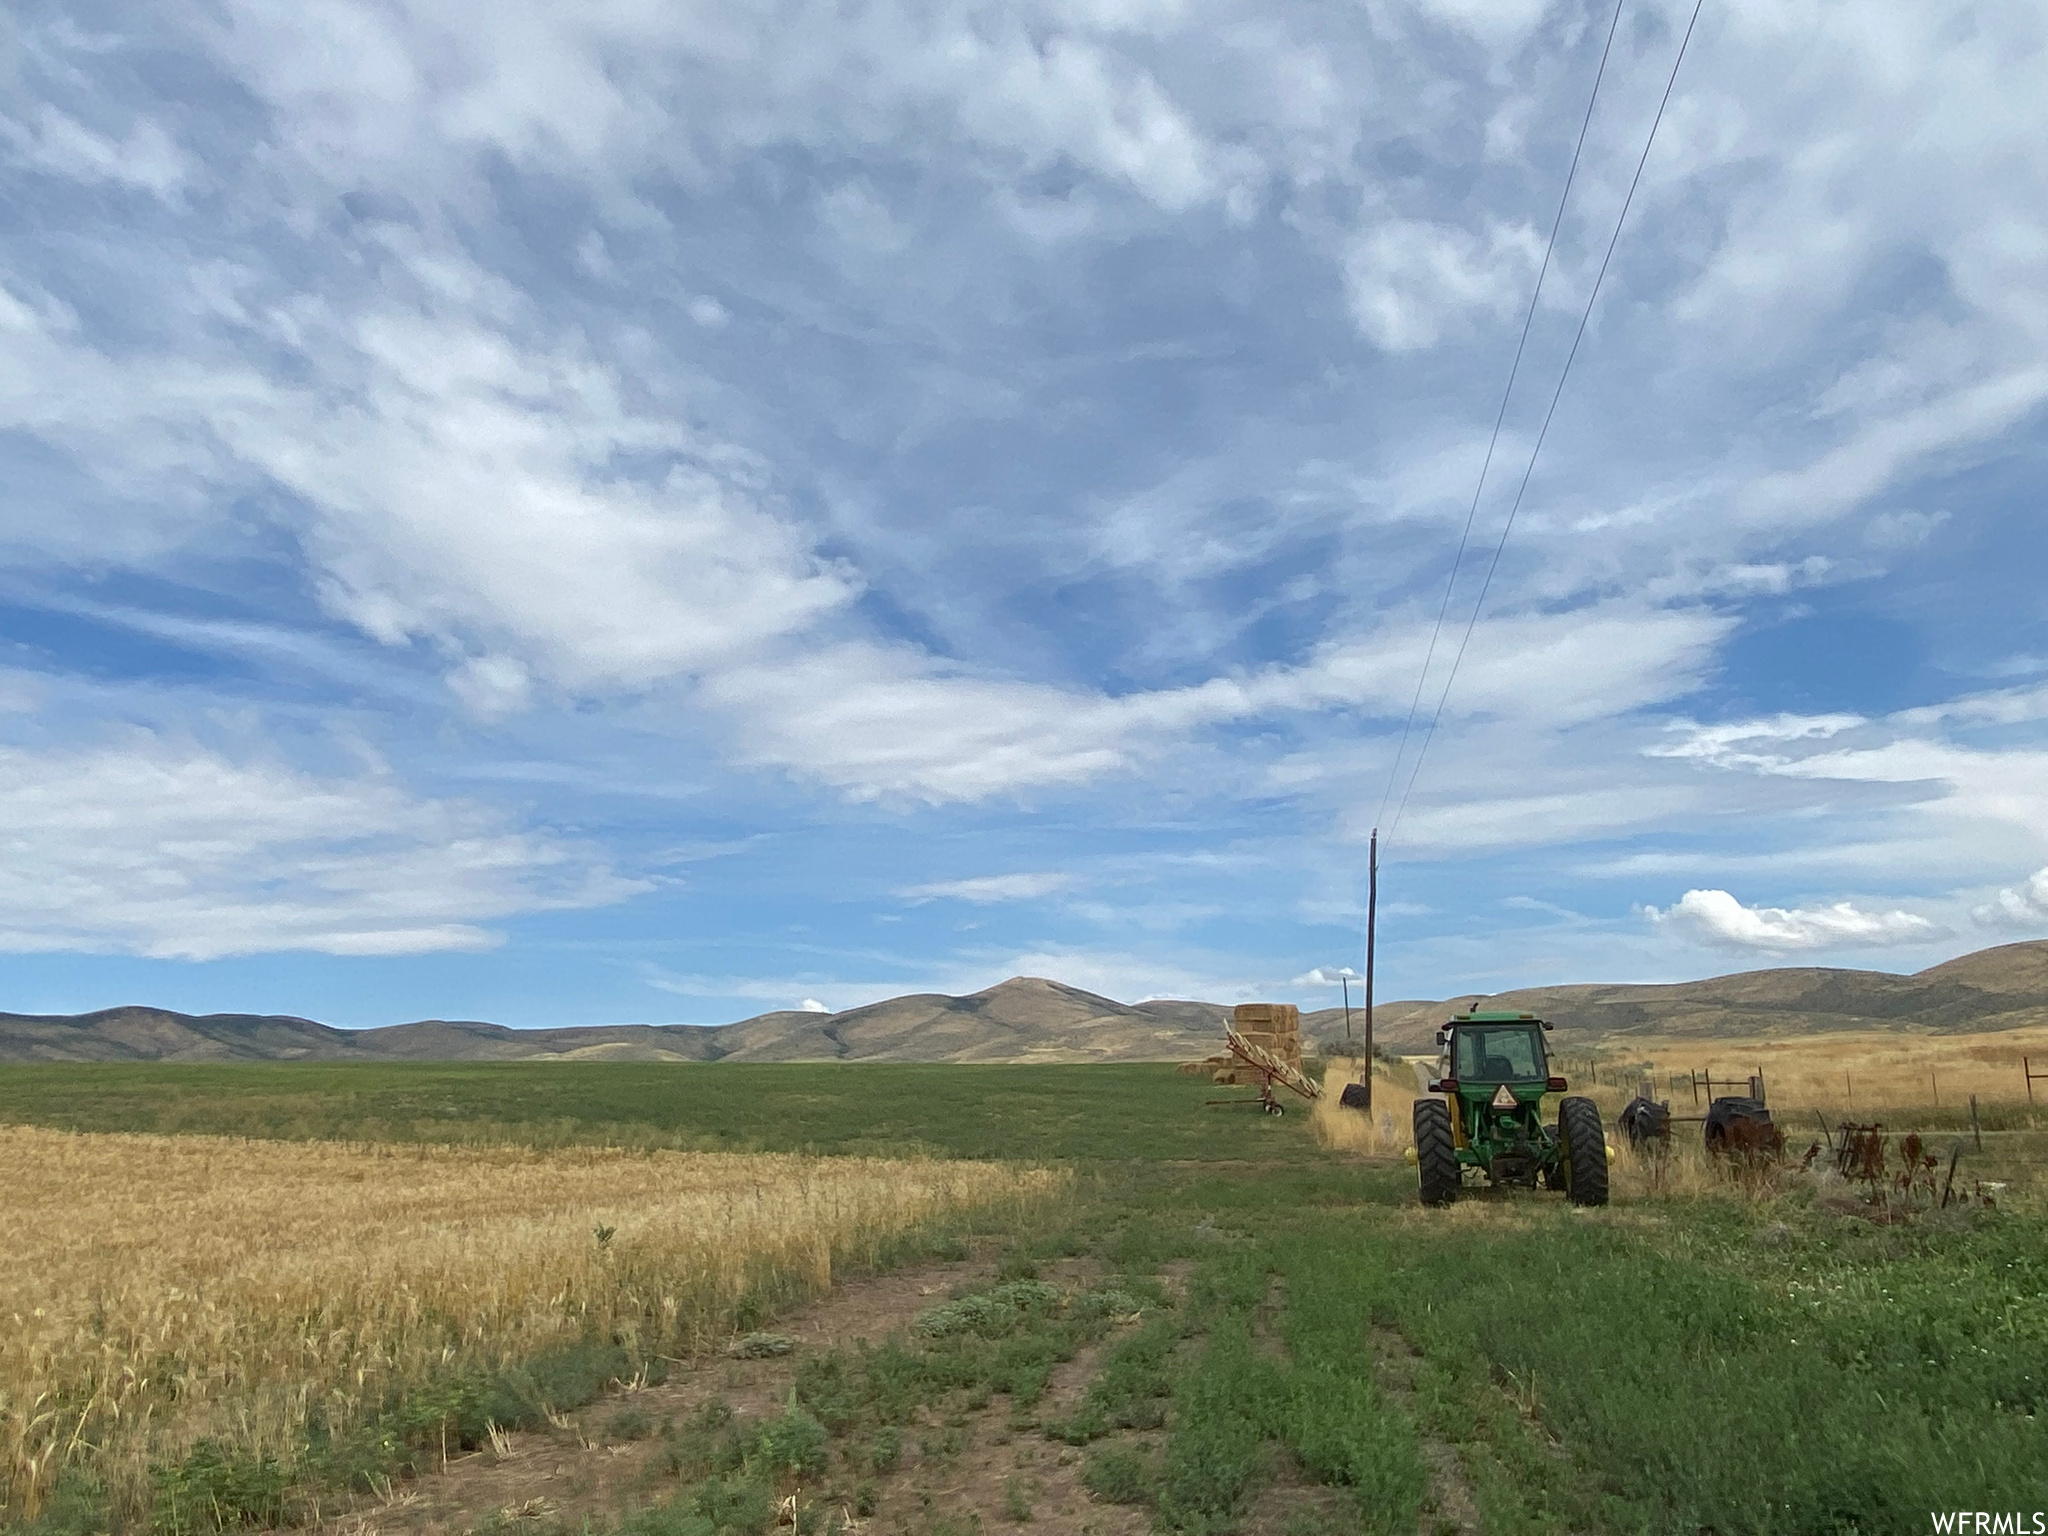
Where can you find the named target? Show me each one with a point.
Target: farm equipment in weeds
(1492, 1078)
(1742, 1127)
(1266, 1069)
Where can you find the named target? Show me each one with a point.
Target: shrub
(214, 1489)
(792, 1445)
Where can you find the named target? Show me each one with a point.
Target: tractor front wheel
(1436, 1153)
(1582, 1152)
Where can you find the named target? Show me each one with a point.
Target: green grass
(1031, 1113)
(1720, 1363)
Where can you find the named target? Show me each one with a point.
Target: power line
(1563, 374)
(1443, 608)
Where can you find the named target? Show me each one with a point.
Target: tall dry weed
(1384, 1131)
(1857, 1075)
(157, 1290)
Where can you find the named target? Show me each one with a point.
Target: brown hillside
(2002, 988)
(1031, 1019)
(156, 1034)
(1024, 1019)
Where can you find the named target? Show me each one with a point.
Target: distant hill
(1025, 1019)
(2001, 988)
(1029, 1019)
(154, 1034)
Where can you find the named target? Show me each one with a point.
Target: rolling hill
(1029, 1019)
(1025, 1019)
(2001, 988)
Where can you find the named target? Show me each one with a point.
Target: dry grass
(1859, 1076)
(1909, 1081)
(1387, 1131)
(160, 1289)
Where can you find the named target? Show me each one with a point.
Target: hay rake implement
(1268, 1069)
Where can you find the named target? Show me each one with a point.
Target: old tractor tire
(1644, 1122)
(1436, 1153)
(1582, 1152)
(1740, 1125)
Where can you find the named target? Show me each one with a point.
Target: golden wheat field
(160, 1289)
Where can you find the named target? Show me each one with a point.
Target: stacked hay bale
(1276, 1027)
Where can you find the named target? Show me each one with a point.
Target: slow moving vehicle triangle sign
(1502, 1099)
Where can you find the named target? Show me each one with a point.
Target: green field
(1713, 1361)
(1093, 1113)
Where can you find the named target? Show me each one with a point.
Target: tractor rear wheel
(1436, 1153)
(1582, 1152)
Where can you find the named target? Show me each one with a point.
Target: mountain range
(1029, 1019)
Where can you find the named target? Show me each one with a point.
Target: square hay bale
(1266, 1016)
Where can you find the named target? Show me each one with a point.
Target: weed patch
(1121, 1475)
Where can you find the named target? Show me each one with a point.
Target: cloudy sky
(653, 511)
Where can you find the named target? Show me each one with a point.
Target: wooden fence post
(1976, 1129)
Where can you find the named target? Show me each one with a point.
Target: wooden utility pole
(1372, 923)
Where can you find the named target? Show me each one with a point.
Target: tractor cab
(1494, 1048)
(1493, 1071)
(1494, 1060)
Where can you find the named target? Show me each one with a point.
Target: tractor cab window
(1499, 1056)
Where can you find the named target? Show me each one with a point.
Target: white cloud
(812, 1005)
(539, 500)
(1736, 744)
(57, 143)
(492, 685)
(461, 491)
(2024, 906)
(1325, 976)
(1498, 23)
(1718, 918)
(597, 91)
(992, 888)
(1409, 280)
(887, 723)
(1879, 454)
(162, 848)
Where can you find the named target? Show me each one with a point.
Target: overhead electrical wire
(1563, 374)
(1514, 368)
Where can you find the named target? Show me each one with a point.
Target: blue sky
(651, 512)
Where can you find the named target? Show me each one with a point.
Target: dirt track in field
(965, 1471)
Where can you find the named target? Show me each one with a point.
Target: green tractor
(1493, 1075)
